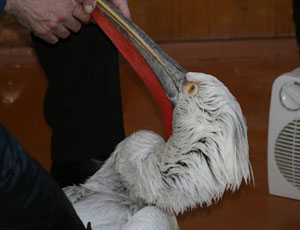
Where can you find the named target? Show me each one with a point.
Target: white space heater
(284, 136)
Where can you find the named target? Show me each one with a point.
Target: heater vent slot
(287, 152)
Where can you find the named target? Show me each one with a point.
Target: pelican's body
(147, 181)
(104, 200)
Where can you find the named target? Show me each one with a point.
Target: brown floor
(248, 68)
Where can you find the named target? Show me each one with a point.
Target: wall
(185, 20)
(213, 19)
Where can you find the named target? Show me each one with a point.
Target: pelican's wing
(105, 211)
(152, 218)
(76, 193)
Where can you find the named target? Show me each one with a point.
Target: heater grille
(287, 152)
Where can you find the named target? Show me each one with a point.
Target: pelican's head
(207, 153)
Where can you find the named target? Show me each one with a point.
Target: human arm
(29, 197)
(54, 19)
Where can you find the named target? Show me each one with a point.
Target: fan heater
(284, 136)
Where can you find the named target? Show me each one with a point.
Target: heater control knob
(290, 95)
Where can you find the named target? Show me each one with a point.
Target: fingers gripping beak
(168, 72)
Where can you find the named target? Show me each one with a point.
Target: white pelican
(147, 181)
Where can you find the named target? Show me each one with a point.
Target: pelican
(147, 181)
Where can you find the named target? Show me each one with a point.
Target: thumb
(122, 5)
(89, 6)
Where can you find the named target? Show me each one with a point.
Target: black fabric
(29, 197)
(296, 15)
(83, 101)
(74, 172)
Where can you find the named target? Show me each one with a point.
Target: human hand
(48, 19)
(122, 5)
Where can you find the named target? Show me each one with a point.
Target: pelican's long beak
(161, 74)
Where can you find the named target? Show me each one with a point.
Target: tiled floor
(248, 68)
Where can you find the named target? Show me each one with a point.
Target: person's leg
(29, 197)
(296, 16)
(83, 101)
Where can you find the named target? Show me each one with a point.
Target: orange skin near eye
(190, 88)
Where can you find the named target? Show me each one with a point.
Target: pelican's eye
(191, 88)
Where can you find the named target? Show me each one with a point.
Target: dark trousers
(83, 101)
(296, 15)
